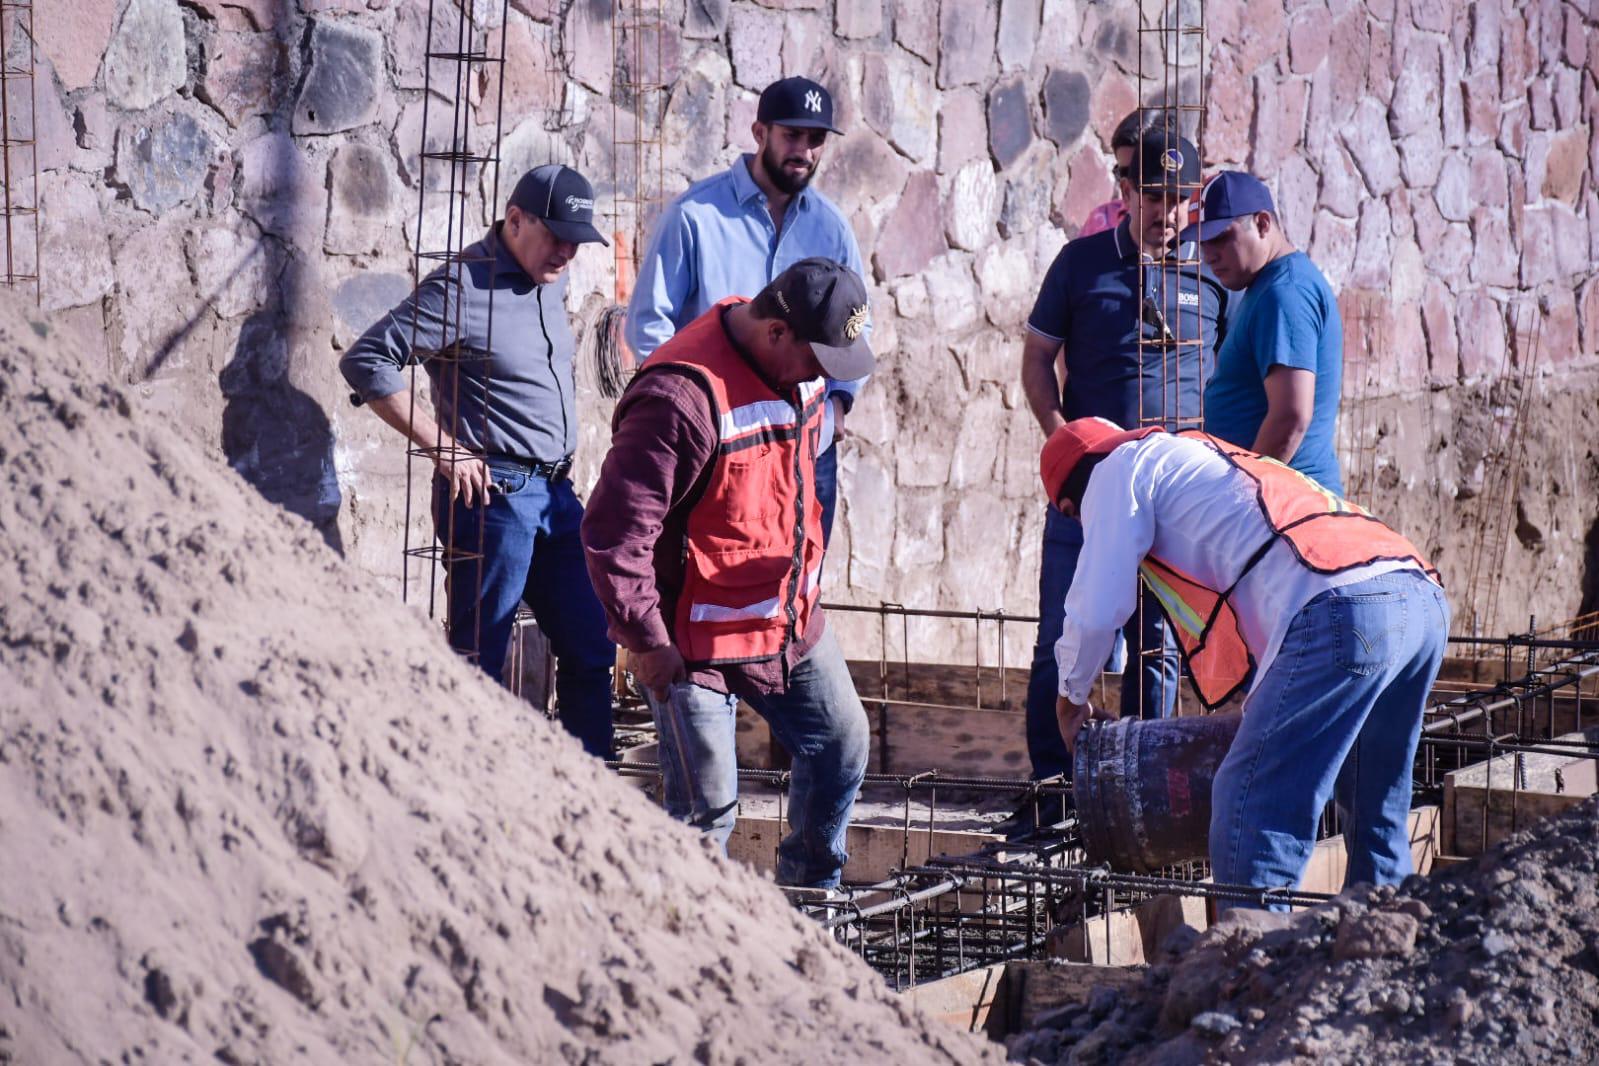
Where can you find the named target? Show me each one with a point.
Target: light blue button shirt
(717, 240)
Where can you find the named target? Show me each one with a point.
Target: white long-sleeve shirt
(1175, 498)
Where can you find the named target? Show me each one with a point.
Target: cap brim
(847, 363)
(806, 124)
(576, 232)
(1206, 230)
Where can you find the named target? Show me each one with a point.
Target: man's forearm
(1042, 389)
(411, 419)
(1280, 434)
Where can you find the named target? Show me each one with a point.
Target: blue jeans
(827, 490)
(528, 538)
(1337, 714)
(819, 720)
(1149, 684)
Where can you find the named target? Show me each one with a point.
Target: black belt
(557, 471)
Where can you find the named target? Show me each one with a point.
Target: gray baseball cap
(562, 199)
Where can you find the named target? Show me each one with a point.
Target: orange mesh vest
(752, 549)
(1327, 533)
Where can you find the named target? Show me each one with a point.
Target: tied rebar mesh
(1359, 428)
(1171, 98)
(1499, 499)
(640, 86)
(19, 157)
(1007, 901)
(462, 56)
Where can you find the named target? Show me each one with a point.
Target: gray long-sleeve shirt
(507, 392)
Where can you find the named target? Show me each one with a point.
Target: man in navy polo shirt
(1096, 303)
(1280, 371)
(733, 233)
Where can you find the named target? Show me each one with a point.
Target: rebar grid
(639, 86)
(465, 58)
(1357, 427)
(1497, 502)
(948, 917)
(1177, 33)
(15, 16)
(1003, 901)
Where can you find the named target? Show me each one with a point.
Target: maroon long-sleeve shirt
(663, 441)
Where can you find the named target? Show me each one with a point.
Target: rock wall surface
(230, 191)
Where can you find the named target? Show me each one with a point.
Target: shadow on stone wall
(1590, 578)
(277, 437)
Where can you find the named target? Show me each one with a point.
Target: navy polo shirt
(1091, 301)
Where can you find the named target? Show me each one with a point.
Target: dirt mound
(1495, 962)
(252, 810)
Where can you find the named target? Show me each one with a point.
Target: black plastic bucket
(1142, 789)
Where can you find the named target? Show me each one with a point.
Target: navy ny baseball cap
(1230, 195)
(798, 102)
(562, 199)
(824, 302)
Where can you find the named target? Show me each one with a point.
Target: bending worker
(1333, 622)
(704, 540)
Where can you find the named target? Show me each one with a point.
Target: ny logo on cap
(813, 101)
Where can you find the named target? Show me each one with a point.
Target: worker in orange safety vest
(1331, 622)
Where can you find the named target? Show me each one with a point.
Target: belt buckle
(560, 471)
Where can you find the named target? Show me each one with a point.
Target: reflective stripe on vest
(715, 612)
(1326, 533)
(752, 547)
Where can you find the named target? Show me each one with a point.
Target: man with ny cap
(704, 541)
(1331, 623)
(731, 234)
(491, 330)
(1279, 373)
(1139, 334)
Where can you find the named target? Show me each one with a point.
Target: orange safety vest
(752, 551)
(1327, 533)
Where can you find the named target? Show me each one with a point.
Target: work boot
(1034, 814)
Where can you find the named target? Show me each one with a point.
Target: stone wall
(230, 192)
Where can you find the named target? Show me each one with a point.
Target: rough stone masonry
(230, 191)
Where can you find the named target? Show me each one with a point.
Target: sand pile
(1496, 961)
(253, 811)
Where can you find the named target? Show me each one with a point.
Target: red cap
(1077, 438)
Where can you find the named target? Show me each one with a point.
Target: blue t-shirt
(1091, 301)
(1287, 317)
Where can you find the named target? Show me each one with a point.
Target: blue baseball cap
(1230, 195)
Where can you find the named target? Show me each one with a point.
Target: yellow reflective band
(1176, 607)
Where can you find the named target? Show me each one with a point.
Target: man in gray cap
(704, 541)
(490, 327)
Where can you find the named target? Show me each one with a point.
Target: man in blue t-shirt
(1137, 319)
(1280, 370)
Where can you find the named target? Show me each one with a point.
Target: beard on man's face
(788, 181)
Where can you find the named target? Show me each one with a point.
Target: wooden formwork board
(1491, 800)
(1127, 937)
(963, 1001)
(1330, 858)
(1133, 935)
(875, 851)
(1032, 989)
